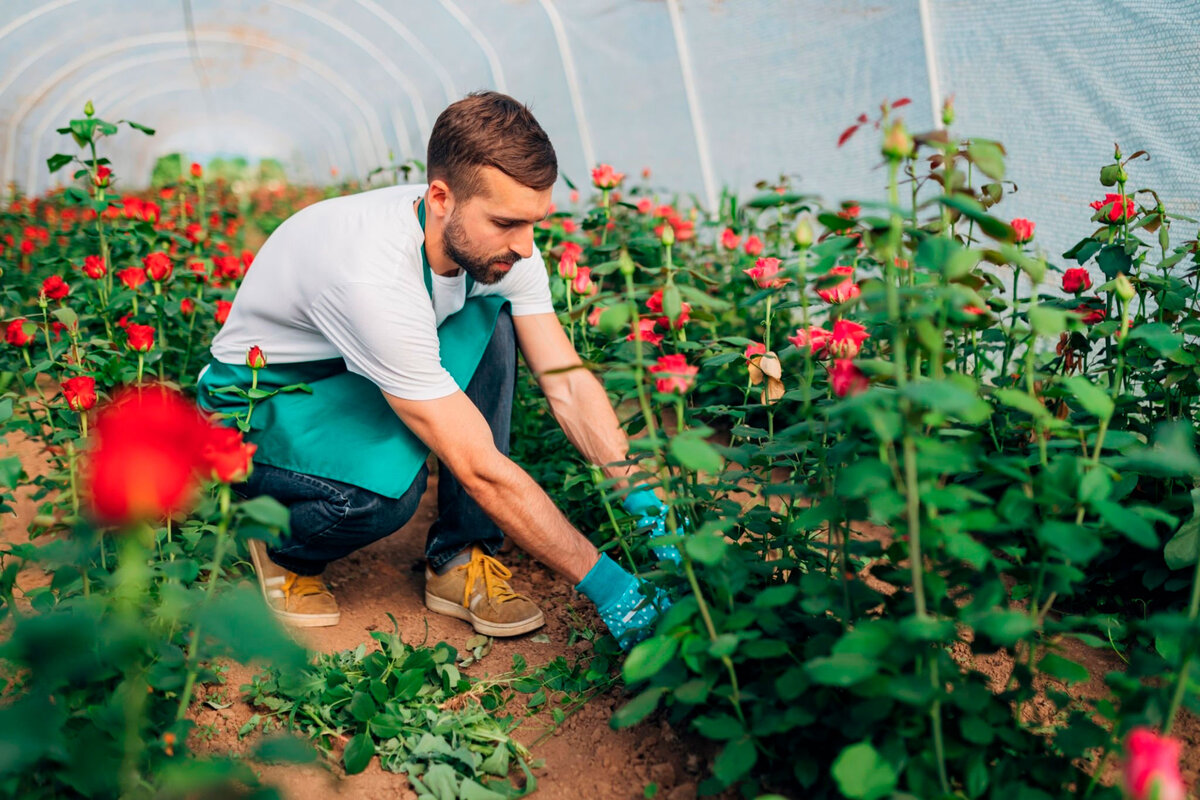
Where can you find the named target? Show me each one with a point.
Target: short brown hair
(491, 129)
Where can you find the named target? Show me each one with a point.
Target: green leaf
(614, 320)
(1113, 259)
(267, 511)
(841, 669)
(362, 707)
(862, 774)
(1109, 174)
(58, 161)
(950, 397)
(988, 156)
(707, 548)
(672, 302)
(971, 208)
(1184, 548)
(1064, 669)
(1022, 401)
(1158, 336)
(385, 725)
(136, 126)
(1005, 628)
(1074, 542)
(1047, 321)
(1129, 523)
(10, 468)
(648, 658)
(285, 748)
(359, 752)
(735, 760)
(638, 708)
(66, 316)
(1094, 400)
(694, 453)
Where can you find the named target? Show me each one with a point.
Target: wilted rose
(79, 392)
(1076, 280)
(674, 374)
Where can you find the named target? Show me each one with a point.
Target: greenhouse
(642, 398)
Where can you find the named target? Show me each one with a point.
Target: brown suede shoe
(478, 592)
(302, 601)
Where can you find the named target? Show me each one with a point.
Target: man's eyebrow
(499, 218)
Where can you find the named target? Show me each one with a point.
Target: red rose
(753, 246)
(247, 260)
(846, 339)
(93, 267)
(194, 232)
(1113, 203)
(55, 288)
(133, 277)
(1023, 228)
(140, 338)
(582, 282)
(729, 239)
(158, 266)
(187, 306)
(645, 205)
(199, 269)
(604, 177)
(1151, 766)
(79, 392)
(222, 312)
(814, 339)
(567, 266)
(655, 304)
(847, 378)
(841, 292)
(1076, 280)
(645, 332)
(102, 175)
(226, 456)
(15, 333)
(674, 374)
(145, 457)
(227, 267)
(849, 210)
(197, 170)
(764, 273)
(255, 358)
(755, 349)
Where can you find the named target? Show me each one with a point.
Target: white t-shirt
(343, 277)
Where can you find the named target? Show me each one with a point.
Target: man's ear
(439, 198)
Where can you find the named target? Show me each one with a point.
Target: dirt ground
(583, 758)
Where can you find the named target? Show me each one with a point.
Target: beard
(479, 267)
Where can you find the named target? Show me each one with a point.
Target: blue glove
(651, 516)
(626, 604)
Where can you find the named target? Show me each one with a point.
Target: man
(402, 309)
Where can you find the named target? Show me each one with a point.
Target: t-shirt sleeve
(385, 335)
(528, 286)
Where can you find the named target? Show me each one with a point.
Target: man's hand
(458, 434)
(651, 520)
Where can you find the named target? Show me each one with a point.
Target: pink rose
(674, 374)
(846, 340)
(814, 339)
(1151, 766)
(765, 272)
(754, 245)
(730, 240)
(1023, 228)
(843, 291)
(1113, 203)
(847, 378)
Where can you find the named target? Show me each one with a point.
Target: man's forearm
(584, 412)
(521, 509)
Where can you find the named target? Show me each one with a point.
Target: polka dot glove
(651, 520)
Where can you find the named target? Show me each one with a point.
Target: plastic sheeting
(708, 94)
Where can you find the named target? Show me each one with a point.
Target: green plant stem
(131, 581)
(639, 365)
(1182, 680)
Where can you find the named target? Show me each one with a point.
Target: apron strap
(426, 270)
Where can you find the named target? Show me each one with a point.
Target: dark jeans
(330, 519)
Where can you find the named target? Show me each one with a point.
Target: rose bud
(255, 358)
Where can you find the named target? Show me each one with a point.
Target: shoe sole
(289, 617)
(502, 629)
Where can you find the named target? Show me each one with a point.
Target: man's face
(493, 230)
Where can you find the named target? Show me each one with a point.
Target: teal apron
(345, 430)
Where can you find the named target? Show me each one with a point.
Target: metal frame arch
(693, 98)
(302, 104)
(416, 44)
(207, 35)
(81, 90)
(488, 51)
(568, 59)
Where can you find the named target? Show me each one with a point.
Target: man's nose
(522, 244)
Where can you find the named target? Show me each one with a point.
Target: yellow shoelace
(495, 578)
(304, 585)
